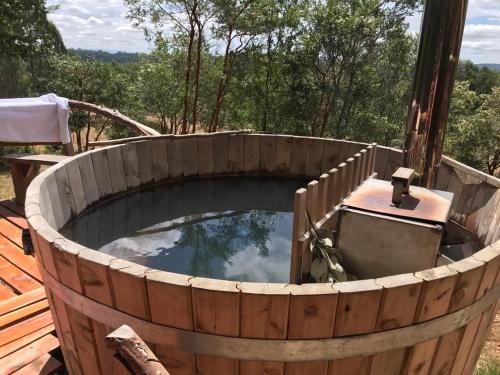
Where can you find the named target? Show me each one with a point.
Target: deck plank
(43, 365)
(13, 206)
(16, 256)
(21, 329)
(26, 325)
(33, 351)
(13, 217)
(19, 301)
(25, 340)
(11, 232)
(16, 278)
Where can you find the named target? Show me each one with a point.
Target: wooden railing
(319, 202)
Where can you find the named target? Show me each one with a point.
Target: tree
(27, 38)
(473, 131)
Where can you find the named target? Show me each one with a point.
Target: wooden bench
(23, 168)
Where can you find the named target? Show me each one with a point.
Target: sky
(102, 24)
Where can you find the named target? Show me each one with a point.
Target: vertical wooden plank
(312, 201)
(71, 356)
(131, 165)
(393, 163)
(298, 157)
(331, 155)
(236, 153)
(380, 160)
(437, 291)
(298, 229)
(267, 153)
(283, 153)
(311, 316)
(64, 188)
(174, 156)
(221, 153)
(491, 268)
(332, 191)
(129, 288)
(144, 161)
(76, 186)
(102, 173)
(491, 256)
(364, 163)
(117, 172)
(374, 158)
(205, 156)
(349, 174)
(470, 272)
(314, 161)
(163, 288)
(357, 170)
(322, 195)
(341, 181)
(52, 199)
(356, 298)
(443, 177)
(216, 309)
(397, 309)
(189, 155)
(160, 159)
(65, 254)
(252, 152)
(94, 277)
(263, 314)
(88, 178)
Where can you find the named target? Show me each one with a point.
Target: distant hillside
(119, 57)
(490, 66)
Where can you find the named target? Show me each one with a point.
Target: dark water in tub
(234, 228)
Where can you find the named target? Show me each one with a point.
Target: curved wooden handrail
(114, 115)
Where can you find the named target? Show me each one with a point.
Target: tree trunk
(197, 74)
(188, 75)
(221, 91)
(268, 82)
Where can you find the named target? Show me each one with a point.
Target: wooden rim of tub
(68, 188)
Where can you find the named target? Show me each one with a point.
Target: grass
(489, 367)
(6, 188)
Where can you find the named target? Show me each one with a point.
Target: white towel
(34, 120)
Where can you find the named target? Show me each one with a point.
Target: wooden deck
(28, 344)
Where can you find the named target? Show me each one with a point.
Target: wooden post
(134, 352)
(322, 195)
(341, 181)
(299, 226)
(357, 171)
(348, 185)
(364, 164)
(333, 190)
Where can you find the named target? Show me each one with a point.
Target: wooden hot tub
(430, 322)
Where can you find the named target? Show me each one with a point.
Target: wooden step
(30, 353)
(6, 292)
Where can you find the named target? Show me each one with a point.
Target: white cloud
(102, 24)
(97, 24)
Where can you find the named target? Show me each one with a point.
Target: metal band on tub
(272, 350)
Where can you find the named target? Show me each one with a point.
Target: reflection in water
(236, 228)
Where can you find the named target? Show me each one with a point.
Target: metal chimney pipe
(439, 47)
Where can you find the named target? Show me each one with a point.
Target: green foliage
(104, 56)
(473, 132)
(489, 367)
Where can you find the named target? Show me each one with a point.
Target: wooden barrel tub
(430, 322)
